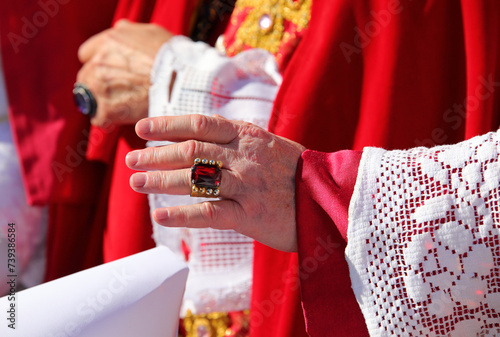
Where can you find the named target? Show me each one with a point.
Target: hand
(258, 176)
(117, 67)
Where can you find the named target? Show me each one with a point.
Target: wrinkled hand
(117, 66)
(258, 176)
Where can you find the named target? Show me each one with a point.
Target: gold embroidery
(275, 12)
(215, 324)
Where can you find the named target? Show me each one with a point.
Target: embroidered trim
(265, 25)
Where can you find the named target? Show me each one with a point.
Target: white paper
(136, 296)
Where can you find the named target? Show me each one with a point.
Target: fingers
(178, 182)
(90, 47)
(172, 182)
(122, 96)
(221, 214)
(99, 41)
(180, 128)
(174, 156)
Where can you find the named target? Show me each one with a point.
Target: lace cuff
(424, 238)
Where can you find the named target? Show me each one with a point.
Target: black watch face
(84, 100)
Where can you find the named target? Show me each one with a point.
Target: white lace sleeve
(424, 240)
(240, 88)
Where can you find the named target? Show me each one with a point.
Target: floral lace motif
(424, 240)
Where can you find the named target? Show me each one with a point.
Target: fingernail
(161, 216)
(138, 180)
(132, 158)
(143, 127)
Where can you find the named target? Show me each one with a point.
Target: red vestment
(39, 50)
(394, 74)
(40, 40)
(128, 227)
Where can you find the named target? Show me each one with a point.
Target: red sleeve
(87, 197)
(324, 186)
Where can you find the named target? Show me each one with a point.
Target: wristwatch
(84, 99)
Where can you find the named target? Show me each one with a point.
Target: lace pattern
(424, 240)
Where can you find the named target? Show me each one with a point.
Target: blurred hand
(116, 68)
(258, 176)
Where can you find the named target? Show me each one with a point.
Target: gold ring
(206, 178)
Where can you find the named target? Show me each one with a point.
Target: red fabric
(275, 305)
(108, 220)
(94, 216)
(126, 212)
(39, 40)
(176, 16)
(324, 186)
(52, 135)
(128, 229)
(394, 74)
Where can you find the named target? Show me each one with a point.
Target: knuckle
(199, 124)
(191, 148)
(99, 60)
(92, 68)
(255, 131)
(245, 124)
(209, 213)
(162, 181)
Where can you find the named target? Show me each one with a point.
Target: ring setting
(206, 178)
(84, 100)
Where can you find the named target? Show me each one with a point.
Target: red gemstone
(206, 176)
